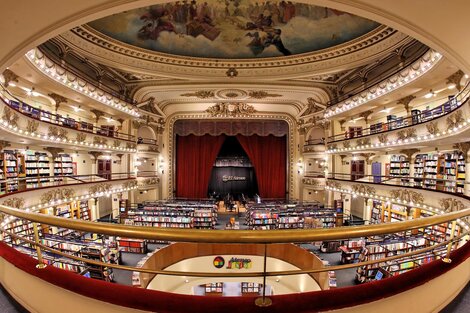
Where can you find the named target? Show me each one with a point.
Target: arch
(316, 133)
(146, 132)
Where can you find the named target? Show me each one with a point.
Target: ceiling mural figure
(234, 29)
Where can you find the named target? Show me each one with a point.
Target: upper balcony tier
(447, 123)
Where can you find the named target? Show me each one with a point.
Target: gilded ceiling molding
(407, 195)
(231, 109)
(261, 94)
(291, 142)
(201, 94)
(362, 49)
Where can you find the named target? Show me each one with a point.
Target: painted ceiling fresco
(234, 29)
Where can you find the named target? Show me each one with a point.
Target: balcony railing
(432, 184)
(57, 119)
(448, 106)
(24, 184)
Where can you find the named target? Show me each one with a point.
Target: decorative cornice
(57, 132)
(432, 127)
(231, 109)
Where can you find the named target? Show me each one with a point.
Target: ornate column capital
(97, 114)
(409, 152)
(9, 76)
(455, 79)
(58, 99)
(366, 115)
(406, 102)
(54, 151)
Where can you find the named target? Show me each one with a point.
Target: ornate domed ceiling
(234, 29)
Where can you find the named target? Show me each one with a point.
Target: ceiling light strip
(404, 77)
(71, 81)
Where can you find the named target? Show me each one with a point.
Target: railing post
(449, 245)
(263, 301)
(40, 264)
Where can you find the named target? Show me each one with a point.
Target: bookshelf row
(173, 215)
(34, 166)
(291, 217)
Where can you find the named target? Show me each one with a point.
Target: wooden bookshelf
(63, 165)
(132, 245)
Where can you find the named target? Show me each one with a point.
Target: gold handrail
(235, 236)
(245, 274)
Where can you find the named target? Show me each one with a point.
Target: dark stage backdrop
(223, 186)
(195, 156)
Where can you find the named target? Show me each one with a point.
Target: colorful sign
(239, 263)
(219, 262)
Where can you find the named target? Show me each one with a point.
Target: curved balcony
(377, 296)
(449, 120)
(68, 79)
(30, 190)
(38, 125)
(392, 83)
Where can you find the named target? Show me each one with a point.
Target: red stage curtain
(195, 156)
(268, 155)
